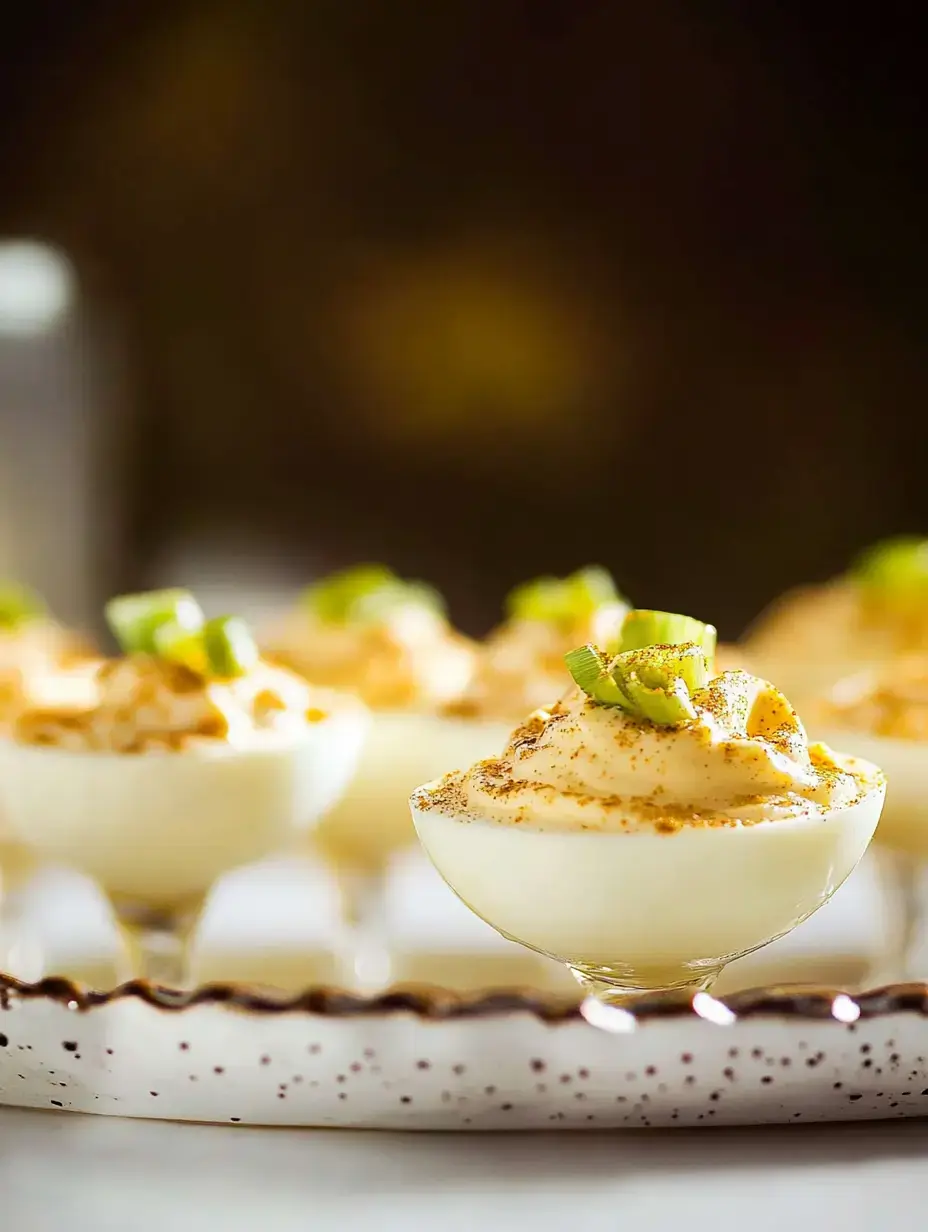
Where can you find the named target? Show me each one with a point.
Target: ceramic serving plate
(433, 1060)
(422, 1057)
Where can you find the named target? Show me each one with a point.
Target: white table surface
(67, 1171)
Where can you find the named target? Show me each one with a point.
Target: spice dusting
(143, 704)
(743, 761)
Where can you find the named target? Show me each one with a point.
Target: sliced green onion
(541, 599)
(563, 600)
(664, 706)
(366, 594)
(18, 605)
(656, 664)
(381, 604)
(657, 680)
(899, 564)
(592, 588)
(179, 645)
(332, 598)
(230, 648)
(644, 628)
(590, 669)
(652, 682)
(134, 619)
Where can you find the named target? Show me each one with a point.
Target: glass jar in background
(61, 464)
(59, 434)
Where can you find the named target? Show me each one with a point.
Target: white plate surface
(444, 1060)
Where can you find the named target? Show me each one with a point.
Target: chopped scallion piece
(645, 628)
(590, 669)
(894, 566)
(179, 645)
(658, 680)
(592, 588)
(18, 605)
(134, 619)
(379, 605)
(541, 599)
(230, 648)
(664, 706)
(563, 600)
(333, 598)
(652, 682)
(366, 594)
(656, 665)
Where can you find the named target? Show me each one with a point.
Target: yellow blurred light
(463, 340)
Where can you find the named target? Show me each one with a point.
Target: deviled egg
(195, 757)
(659, 823)
(438, 698)
(814, 636)
(883, 714)
(32, 646)
(38, 658)
(388, 641)
(520, 666)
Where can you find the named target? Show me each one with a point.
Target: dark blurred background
(482, 288)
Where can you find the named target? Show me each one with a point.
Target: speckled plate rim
(802, 1002)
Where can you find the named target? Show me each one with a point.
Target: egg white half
(904, 821)
(159, 828)
(644, 900)
(401, 751)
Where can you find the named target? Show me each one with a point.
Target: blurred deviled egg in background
(882, 714)
(388, 641)
(520, 665)
(815, 635)
(438, 698)
(39, 660)
(31, 644)
(193, 757)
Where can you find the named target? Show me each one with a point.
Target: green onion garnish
(380, 604)
(590, 669)
(651, 682)
(895, 565)
(658, 680)
(134, 619)
(230, 648)
(563, 600)
(367, 594)
(169, 624)
(663, 706)
(176, 644)
(18, 605)
(644, 628)
(541, 599)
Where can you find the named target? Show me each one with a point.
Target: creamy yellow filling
(841, 621)
(413, 661)
(140, 704)
(744, 759)
(31, 657)
(521, 666)
(891, 702)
